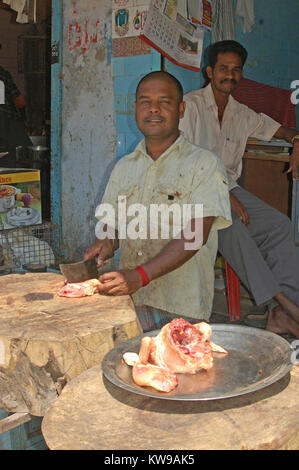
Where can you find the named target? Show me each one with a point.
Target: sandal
(256, 320)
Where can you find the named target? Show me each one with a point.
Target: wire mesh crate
(35, 244)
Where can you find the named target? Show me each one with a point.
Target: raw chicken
(80, 289)
(180, 347)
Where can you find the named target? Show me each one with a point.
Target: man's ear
(209, 71)
(182, 107)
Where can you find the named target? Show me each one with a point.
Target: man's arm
(171, 257)
(288, 135)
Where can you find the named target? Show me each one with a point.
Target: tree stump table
(93, 414)
(47, 340)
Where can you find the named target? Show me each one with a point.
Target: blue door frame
(56, 112)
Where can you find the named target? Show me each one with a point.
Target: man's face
(158, 108)
(227, 72)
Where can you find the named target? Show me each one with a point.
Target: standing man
(165, 277)
(12, 119)
(258, 245)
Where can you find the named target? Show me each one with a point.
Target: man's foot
(280, 322)
(288, 306)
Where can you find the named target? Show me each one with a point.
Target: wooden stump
(47, 340)
(94, 414)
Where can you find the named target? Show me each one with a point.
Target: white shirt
(201, 126)
(183, 174)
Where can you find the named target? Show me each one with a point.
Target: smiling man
(164, 278)
(259, 244)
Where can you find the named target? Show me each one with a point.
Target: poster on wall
(200, 13)
(128, 17)
(175, 28)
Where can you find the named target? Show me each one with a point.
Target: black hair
(167, 76)
(224, 46)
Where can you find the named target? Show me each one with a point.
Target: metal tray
(257, 358)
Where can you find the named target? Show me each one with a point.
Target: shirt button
(139, 253)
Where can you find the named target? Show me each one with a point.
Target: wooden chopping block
(47, 340)
(94, 414)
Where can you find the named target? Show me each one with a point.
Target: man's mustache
(229, 81)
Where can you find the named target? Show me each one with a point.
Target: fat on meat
(79, 289)
(180, 347)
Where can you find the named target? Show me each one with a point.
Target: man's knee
(282, 222)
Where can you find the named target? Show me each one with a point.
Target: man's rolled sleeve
(266, 127)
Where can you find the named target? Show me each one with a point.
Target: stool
(233, 293)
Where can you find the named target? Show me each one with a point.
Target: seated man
(258, 245)
(165, 276)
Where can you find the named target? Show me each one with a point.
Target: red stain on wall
(82, 35)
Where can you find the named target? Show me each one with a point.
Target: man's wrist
(295, 139)
(144, 276)
(114, 244)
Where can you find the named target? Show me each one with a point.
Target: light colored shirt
(228, 140)
(183, 174)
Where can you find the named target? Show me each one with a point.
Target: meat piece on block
(80, 289)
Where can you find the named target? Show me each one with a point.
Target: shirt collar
(210, 98)
(141, 148)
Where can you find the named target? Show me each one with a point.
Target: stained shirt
(183, 174)
(228, 140)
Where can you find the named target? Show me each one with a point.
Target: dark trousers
(263, 255)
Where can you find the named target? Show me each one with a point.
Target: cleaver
(81, 271)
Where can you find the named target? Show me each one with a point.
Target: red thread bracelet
(145, 279)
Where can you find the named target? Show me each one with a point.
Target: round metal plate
(257, 358)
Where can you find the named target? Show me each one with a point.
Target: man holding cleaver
(166, 276)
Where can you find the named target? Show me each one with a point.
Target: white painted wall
(88, 128)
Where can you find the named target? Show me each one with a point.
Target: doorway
(25, 50)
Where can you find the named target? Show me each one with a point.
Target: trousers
(152, 318)
(263, 255)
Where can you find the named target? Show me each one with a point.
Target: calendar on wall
(175, 28)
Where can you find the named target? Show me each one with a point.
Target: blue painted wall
(127, 71)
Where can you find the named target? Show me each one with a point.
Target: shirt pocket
(169, 200)
(233, 153)
(171, 193)
(129, 194)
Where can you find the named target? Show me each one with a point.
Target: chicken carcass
(79, 289)
(180, 347)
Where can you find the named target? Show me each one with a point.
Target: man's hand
(287, 133)
(123, 282)
(103, 249)
(238, 208)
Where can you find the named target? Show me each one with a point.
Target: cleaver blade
(81, 271)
